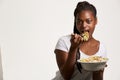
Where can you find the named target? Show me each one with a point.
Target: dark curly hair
(79, 8)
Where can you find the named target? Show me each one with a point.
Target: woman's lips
(82, 31)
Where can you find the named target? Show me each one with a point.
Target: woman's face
(85, 21)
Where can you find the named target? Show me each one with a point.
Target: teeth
(85, 36)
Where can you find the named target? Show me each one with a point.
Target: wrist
(73, 49)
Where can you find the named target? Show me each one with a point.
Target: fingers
(76, 38)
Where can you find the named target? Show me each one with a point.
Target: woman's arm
(66, 62)
(98, 75)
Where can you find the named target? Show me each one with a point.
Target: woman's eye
(79, 22)
(88, 21)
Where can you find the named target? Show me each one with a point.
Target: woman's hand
(76, 39)
(98, 75)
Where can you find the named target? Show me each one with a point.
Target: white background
(29, 30)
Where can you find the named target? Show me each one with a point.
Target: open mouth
(85, 35)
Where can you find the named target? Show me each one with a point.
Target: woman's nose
(84, 24)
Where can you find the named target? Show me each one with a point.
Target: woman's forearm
(68, 68)
(98, 75)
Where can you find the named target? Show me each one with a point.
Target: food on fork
(85, 36)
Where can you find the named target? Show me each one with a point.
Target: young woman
(69, 46)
